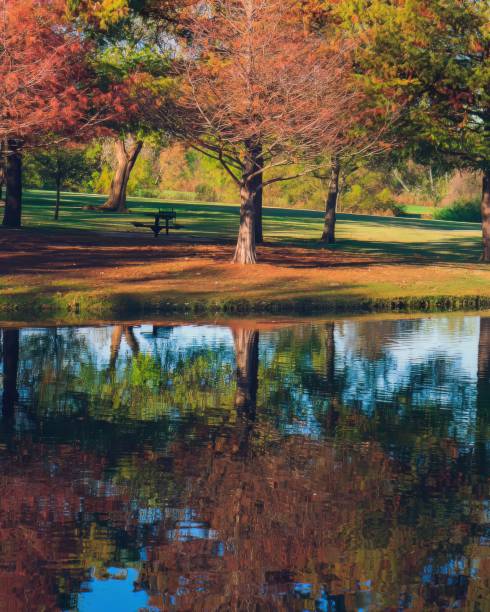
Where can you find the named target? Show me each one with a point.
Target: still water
(318, 466)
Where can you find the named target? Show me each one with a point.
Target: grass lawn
(427, 212)
(98, 262)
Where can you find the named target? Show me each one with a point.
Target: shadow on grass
(76, 298)
(369, 236)
(454, 250)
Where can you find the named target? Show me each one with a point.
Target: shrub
(366, 192)
(206, 193)
(468, 210)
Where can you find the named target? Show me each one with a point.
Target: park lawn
(427, 212)
(92, 262)
(435, 240)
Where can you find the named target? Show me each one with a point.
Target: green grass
(410, 263)
(414, 210)
(406, 238)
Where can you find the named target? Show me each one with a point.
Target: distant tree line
(378, 185)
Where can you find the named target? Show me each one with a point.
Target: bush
(206, 193)
(366, 193)
(460, 211)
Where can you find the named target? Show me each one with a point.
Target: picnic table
(156, 227)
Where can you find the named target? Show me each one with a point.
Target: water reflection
(334, 466)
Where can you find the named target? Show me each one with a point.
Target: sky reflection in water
(327, 466)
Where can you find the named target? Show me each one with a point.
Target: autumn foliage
(49, 87)
(46, 81)
(260, 93)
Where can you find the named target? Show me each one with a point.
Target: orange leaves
(46, 82)
(255, 74)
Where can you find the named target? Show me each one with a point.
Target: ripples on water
(327, 466)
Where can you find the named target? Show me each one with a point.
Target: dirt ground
(24, 252)
(119, 263)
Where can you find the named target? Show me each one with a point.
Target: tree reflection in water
(246, 468)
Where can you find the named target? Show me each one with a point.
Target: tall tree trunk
(116, 337)
(485, 215)
(330, 355)
(258, 201)
(247, 371)
(245, 252)
(131, 339)
(331, 383)
(13, 200)
(126, 156)
(10, 358)
(58, 191)
(328, 235)
(3, 165)
(256, 153)
(118, 332)
(247, 368)
(483, 395)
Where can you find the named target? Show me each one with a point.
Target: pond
(338, 465)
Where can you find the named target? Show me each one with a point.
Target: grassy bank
(93, 264)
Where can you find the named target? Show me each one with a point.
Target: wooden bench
(156, 227)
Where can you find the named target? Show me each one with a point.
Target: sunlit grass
(401, 237)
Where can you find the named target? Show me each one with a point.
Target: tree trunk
(245, 252)
(58, 194)
(126, 158)
(13, 200)
(330, 355)
(10, 370)
(247, 368)
(131, 339)
(3, 167)
(116, 337)
(332, 416)
(485, 215)
(256, 153)
(483, 395)
(258, 200)
(328, 235)
(247, 372)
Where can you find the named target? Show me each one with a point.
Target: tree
(58, 168)
(372, 134)
(346, 161)
(118, 332)
(330, 218)
(247, 362)
(47, 86)
(483, 393)
(259, 93)
(127, 151)
(10, 358)
(103, 15)
(130, 45)
(13, 184)
(436, 54)
(3, 176)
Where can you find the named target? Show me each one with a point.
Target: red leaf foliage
(47, 83)
(255, 75)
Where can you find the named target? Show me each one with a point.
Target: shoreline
(87, 305)
(70, 274)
